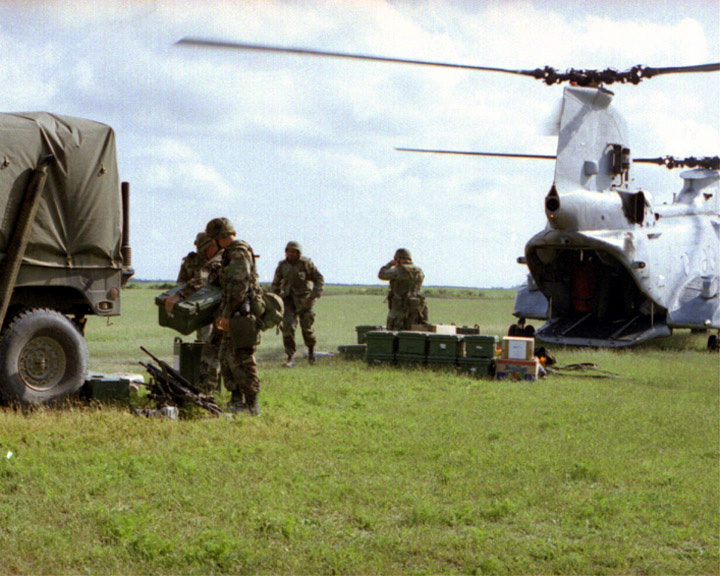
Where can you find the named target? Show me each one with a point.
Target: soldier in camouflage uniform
(406, 305)
(241, 294)
(207, 274)
(299, 283)
(192, 262)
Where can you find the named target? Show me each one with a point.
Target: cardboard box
(517, 369)
(435, 328)
(516, 348)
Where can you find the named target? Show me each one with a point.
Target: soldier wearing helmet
(299, 283)
(241, 293)
(405, 304)
(193, 261)
(210, 255)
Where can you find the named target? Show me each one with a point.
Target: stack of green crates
(445, 350)
(381, 347)
(412, 348)
(479, 355)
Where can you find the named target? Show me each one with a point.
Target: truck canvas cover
(78, 223)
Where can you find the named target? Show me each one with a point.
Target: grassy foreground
(364, 470)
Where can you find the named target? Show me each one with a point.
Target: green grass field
(357, 470)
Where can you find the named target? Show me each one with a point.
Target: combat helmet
(219, 228)
(402, 253)
(203, 242)
(293, 245)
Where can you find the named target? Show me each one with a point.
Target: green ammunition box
(380, 359)
(478, 346)
(442, 362)
(446, 345)
(410, 360)
(107, 389)
(186, 359)
(191, 313)
(363, 330)
(412, 343)
(381, 342)
(353, 351)
(477, 367)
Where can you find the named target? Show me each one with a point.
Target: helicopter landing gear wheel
(43, 358)
(712, 343)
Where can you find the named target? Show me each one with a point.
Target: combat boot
(237, 402)
(289, 363)
(253, 406)
(311, 354)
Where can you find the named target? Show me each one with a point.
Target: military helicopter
(611, 268)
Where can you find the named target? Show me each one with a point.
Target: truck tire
(43, 358)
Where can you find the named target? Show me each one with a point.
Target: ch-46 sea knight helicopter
(611, 268)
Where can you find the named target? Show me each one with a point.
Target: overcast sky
(298, 148)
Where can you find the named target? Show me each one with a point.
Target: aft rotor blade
(471, 153)
(309, 52)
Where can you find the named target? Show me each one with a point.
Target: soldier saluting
(406, 305)
(299, 283)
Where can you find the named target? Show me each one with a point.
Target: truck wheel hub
(42, 363)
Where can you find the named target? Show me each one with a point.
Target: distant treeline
(377, 290)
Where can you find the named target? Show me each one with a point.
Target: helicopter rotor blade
(471, 153)
(547, 74)
(200, 42)
(670, 162)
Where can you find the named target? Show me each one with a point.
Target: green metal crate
(442, 362)
(410, 360)
(477, 367)
(191, 313)
(380, 359)
(353, 351)
(363, 330)
(446, 345)
(381, 342)
(107, 389)
(412, 343)
(478, 346)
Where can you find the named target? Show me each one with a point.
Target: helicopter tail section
(591, 131)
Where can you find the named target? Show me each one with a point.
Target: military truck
(64, 249)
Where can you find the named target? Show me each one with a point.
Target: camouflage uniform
(207, 274)
(299, 284)
(406, 305)
(192, 263)
(241, 291)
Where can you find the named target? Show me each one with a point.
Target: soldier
(192, 261)
(406, 305)
(241, 297)
(207, 274)
(299, 283)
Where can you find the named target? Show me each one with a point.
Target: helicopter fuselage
(610, 268)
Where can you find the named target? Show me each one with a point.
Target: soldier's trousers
(239, 368)
(290, 321)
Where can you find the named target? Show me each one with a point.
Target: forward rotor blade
(649, 71)
(470, 153)
(308, 52)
